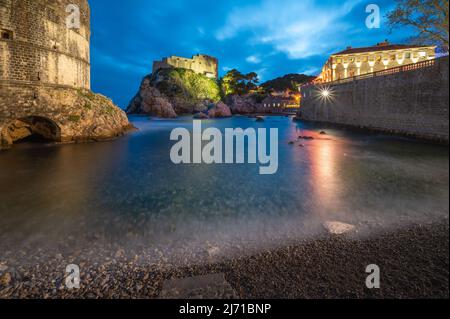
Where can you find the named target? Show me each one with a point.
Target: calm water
(127, 193)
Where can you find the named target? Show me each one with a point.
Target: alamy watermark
(373, 20)
(73, 278)
(190, 150)
(373, 280)
(73, 19)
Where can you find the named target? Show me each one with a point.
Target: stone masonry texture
(413, 103)
(45, 75)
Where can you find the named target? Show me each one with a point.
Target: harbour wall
(411, 100)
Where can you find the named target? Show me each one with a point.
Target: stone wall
(201, 64)
(414, 103)
(45, 76)
(38, 46)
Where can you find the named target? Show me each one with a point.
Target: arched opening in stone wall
(33, 129)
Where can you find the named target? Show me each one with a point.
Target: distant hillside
(289, 81)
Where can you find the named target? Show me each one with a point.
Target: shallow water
(127, 193)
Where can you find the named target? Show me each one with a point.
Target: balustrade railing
(399, 69)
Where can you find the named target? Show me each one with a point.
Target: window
(408, 55)
(6, 34)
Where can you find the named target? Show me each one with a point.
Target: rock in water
(308, 138)
(219, 110)
(201, 116)
(173, 91)
(338, 228)
(149, 100)
(62, 115)
(244, 104)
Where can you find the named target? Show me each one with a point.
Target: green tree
(250, 82)
(234, 82)
(428, 17)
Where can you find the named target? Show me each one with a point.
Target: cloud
(201, 31)
(271, 37)
(120, 64)
(253, 59)
(300, 29)
(310, 71)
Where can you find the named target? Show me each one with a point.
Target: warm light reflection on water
(323, 161)
(127, 193)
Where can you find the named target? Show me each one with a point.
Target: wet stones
(5, 279)
(201, 116)
(338, 228)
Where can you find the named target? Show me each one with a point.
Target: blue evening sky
(270, 37)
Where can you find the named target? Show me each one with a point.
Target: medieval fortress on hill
(45, 75)
(200, 63)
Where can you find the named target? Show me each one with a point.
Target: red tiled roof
(386, 47)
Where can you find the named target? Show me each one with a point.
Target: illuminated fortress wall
(36, 47)
(413, 103)
(201, 64)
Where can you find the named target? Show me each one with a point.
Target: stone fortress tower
(37, 46)
(45, 75)
(200, 64)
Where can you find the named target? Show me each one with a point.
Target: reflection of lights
(325, 178)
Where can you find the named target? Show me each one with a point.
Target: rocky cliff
(59, 114)
(169, 92)
(245, 104)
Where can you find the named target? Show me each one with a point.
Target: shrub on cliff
(190, 84)
(185, 90)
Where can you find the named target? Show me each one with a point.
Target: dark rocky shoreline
(414, 264)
